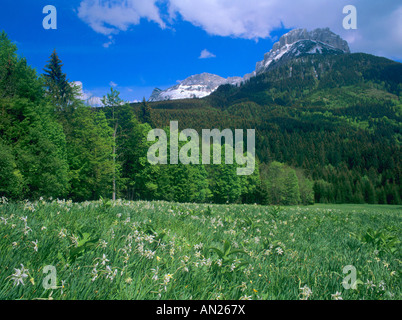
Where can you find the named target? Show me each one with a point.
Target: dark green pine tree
(58, 87)
(146, 113)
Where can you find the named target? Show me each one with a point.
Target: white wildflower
(149, 254)
(336, 296)
(103, 244)
(19, 275)
(370, 284)
(104, 259)
(166, 279)
(62, 233)
(279, 250)
(305, 292)
(35, 243)
(110, 273)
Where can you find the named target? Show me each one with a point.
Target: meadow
(160, 250)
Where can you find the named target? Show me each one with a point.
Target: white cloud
(109, 43)
(112, 84)
(379, 22)
(111, 16)
(205, 54)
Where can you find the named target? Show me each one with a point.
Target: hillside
(336, 117)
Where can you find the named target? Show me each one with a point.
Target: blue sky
(137, 45)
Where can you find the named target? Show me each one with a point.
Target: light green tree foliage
(291, 188)
(181, 182)
(274, 180)
(283, 185)
(306, 187)
(90, 148)
(227, 186)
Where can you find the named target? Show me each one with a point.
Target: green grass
(160, 250)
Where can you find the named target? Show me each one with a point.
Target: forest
(330, 138)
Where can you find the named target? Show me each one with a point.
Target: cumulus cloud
(111, 16)
(205, 54)
(113, 84)
(379, 22)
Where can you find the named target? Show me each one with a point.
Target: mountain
(196, 86)
(335, 81)
(297, 43)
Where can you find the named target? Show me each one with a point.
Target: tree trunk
(114, 163)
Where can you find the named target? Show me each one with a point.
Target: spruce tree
(58, 87)
(146, 113)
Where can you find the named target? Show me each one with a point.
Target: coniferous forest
(329, 131)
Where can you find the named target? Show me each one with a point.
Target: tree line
(53, 145)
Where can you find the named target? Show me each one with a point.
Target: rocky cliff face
(300, 42)
(319, 35)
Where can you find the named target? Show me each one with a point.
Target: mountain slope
(300, 81)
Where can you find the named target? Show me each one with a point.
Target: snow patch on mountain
(300, 42)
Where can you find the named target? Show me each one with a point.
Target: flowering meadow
(159, 250)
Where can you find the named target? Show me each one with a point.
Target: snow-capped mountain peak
(300, 42)
(196, 86)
